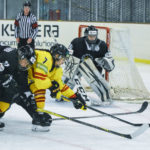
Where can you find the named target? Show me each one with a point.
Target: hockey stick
(142, 108)
(138, 132)
(112, 116)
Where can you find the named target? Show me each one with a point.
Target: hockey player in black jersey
(14, 84)
(94, 56)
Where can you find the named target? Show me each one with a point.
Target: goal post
(125, 79)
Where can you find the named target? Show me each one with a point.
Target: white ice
(67, 135)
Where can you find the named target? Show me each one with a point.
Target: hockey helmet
(27, 4)
(93, 32)
(26, 52)
(59, 49)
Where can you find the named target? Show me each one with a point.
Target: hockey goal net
(125, 80)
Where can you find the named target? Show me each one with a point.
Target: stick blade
(139, 131)
(143, 107)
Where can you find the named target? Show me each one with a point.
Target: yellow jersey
(43, 72)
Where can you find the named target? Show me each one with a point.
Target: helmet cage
(59, 50)
(93, 32)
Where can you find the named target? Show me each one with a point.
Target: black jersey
(9, 58)
(82, 49)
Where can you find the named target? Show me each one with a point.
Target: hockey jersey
(43, 72)
(82, 49)
(9, 58)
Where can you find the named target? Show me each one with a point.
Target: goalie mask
(26, 57)
(91, 34)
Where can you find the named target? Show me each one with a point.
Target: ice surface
(67, 135)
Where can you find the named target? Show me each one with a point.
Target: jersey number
(45, 60)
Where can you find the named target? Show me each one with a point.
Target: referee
(26, 26)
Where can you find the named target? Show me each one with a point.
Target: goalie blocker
(74, 70)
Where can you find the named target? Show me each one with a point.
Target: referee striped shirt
(26, 26)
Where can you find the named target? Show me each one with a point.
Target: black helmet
(91, 31)
(26, 52)
(59, 49)
(27, 3)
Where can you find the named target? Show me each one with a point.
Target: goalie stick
(138, 132)
(112, 116)
(142, 108)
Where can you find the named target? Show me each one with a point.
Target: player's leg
(72, 77)
(96, 81)
(4, 106)
(41, 121)
(39, 96)
(70, 70)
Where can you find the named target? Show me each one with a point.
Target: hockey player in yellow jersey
(46, 73)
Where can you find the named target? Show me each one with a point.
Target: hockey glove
(55, 91)
(106, 62)
(79, 102)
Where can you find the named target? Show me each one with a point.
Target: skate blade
(37, 128)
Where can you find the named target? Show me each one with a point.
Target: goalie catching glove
(55, 90)
(79, 102)
(106, 62)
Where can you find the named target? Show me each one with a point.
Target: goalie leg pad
(95, 80)
(71, 67)
(81, 90)
(69, 82)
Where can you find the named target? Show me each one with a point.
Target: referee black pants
(23, 42)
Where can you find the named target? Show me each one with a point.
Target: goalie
(94, 56)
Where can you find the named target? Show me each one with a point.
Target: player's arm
(34, 28)
(59, 88)
(16, 23)
(72, 46)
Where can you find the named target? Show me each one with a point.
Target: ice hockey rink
(67, 135)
